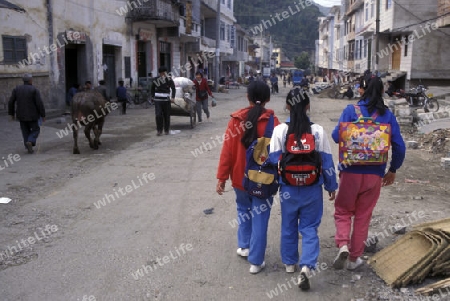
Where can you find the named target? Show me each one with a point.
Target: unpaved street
(129, 220)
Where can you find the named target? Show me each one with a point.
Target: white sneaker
(255, 269)
(303, 279)
(290, 268)
(341, 258)
(242, 252)
(353, 265)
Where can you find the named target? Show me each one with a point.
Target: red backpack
(300, 165)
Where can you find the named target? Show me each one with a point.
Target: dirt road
(127, 222)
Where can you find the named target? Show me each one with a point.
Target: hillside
(293, 27)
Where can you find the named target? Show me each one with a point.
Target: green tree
(303, 61)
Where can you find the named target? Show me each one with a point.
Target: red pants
(357, 196)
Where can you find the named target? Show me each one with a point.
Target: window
(228, 32)
(14, 49)
(223, 2)
(367, 12)
(372, 8)
(388, 4)
(405, 45)
(229, 4)
(365, 48)
(222, 31)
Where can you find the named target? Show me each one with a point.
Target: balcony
(163, 13)
(443, 13)
(208, 42)
(354, 7)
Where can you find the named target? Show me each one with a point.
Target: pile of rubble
(423, 252)
(437, 141)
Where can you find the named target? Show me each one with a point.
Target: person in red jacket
(253, 213)
(201, 95)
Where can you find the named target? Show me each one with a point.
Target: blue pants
(30, 131)
(306, 204)
(253, 219)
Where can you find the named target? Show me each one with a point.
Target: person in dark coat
(121, 94)
(30, 109)
(102, 89)
(163, 93)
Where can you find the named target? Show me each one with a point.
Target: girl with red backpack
(301, 195)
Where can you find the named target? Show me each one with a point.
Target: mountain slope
(293, 26)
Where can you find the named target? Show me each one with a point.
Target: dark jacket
(29, 103)
(121, 93)
(163, 86)
(102, 90)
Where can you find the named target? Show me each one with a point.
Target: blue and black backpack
(261, 178)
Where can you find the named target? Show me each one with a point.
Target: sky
(328, 3)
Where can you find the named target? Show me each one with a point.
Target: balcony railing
(163, 11)
(352, 8)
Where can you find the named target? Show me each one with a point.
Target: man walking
(102, 89)
(28, 111)
(121, 94)
(163, 87)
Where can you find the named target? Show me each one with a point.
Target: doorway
(109, 71)
(71, 66)
(165, 55)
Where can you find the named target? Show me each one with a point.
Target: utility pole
(217, 57)
(261, 53)
(377, 33)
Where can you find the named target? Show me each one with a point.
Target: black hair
(198, 73)
(374, 93)
(101, 82)
(162, 69)
(299, 124)
(258, 93)
(87, 82)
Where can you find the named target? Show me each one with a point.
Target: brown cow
(89, 109)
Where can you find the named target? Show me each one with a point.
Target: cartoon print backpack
(364, 141)
(300, 165)
(260, 177)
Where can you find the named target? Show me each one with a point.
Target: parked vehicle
(297, 77)
(417, 97)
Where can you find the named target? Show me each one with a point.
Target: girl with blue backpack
(252, 212)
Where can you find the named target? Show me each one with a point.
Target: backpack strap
(269, 127)
(358, 111)
(374, 115)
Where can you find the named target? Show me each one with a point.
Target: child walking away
(363, 156)
(305, 151)
(244, 127)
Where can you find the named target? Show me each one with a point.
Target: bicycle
(140, 97)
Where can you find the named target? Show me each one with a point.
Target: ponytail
(374, 93)
(299, 124)
(258, 93)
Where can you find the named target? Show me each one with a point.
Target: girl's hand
(332, 195)
(220, 187)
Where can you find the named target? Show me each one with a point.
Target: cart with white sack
(184, 104)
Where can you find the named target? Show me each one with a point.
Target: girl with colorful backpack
(360, 183)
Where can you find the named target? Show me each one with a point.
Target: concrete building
(411, 46)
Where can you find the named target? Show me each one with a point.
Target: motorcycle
(417, 97)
